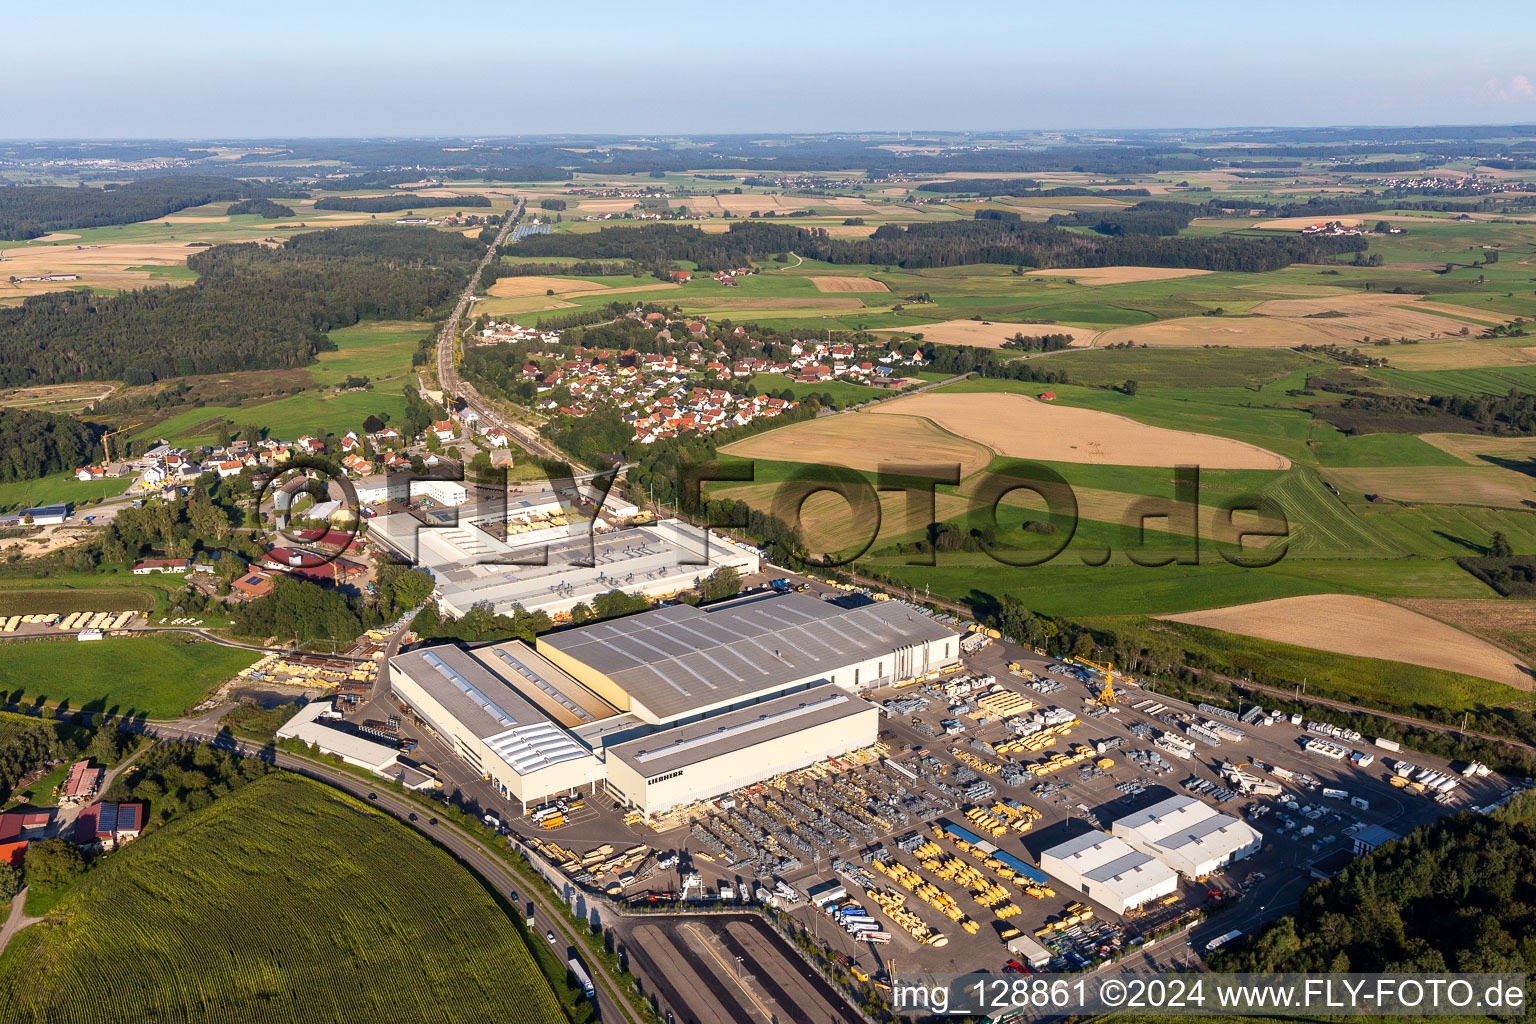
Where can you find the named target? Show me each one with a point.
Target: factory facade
(675, 705)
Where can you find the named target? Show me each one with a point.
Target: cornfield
(284, 901)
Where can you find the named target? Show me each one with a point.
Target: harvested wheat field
(1470, 448)
(861, 441)
(1287, 323)
(1297, 223)
(1119, 275)
(1500, 621)
(1365, 628)
(849, 230)
(1490, 486)
(1023, 427)
(518, 287)
(992, 333)
(98, 266)
(847, 284)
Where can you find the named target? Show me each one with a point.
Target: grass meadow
(158, 676)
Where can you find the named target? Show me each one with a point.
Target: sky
(175, 69)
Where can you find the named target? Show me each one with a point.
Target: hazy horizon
(169, 70)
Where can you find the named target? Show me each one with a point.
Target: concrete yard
(1261, 887)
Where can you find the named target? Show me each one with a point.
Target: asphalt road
(448, 374)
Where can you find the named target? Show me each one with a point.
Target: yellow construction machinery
(106, 450)
(1107, 695)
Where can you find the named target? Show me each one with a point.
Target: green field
(117, 599)
(156, 676)
(379, 350)
(15, 494)
(1172, 367)
(843, 393)
(284, 901)
(285, 418)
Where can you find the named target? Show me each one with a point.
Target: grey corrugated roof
(501, 708)
(670, 749)
(678, 659)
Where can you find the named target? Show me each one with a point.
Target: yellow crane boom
(1107, 695)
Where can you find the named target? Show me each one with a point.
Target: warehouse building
(350, 747)
(1108, 871)
(674, 705)
(1189, 835)
(492, 724)
(679, 766)
(674, 665)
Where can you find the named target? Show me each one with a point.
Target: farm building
(18, 826)
(351, 748)
(1108, 871)
(252, 585)
(162, 565)
(109, 825)
(80, 784)
(1188, 835)
(674, 767)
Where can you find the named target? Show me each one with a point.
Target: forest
(1022, 188)
(28, 211)
(263, 207)
(252, 308)
(40, 443)
(1454, 896)
(1511, 413)
(941, 244)
(394, 203)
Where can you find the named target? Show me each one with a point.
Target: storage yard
(972, 804)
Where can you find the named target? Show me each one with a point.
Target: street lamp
(738, 968)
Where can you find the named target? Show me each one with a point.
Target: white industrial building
(1108, 871)
(674, 767)
(1189, 835)
(673, 705)
(381, 487)
(556, 567)
(308, 727)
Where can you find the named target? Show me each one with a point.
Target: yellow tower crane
(1107, 695)
(106, 449)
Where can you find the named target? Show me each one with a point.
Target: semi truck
(582, 978)
(1222, 940)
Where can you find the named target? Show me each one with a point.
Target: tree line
(1022, 188)
(252, 307)
(28, 211)
(396, 202)
(941, 244)
(262, 207)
